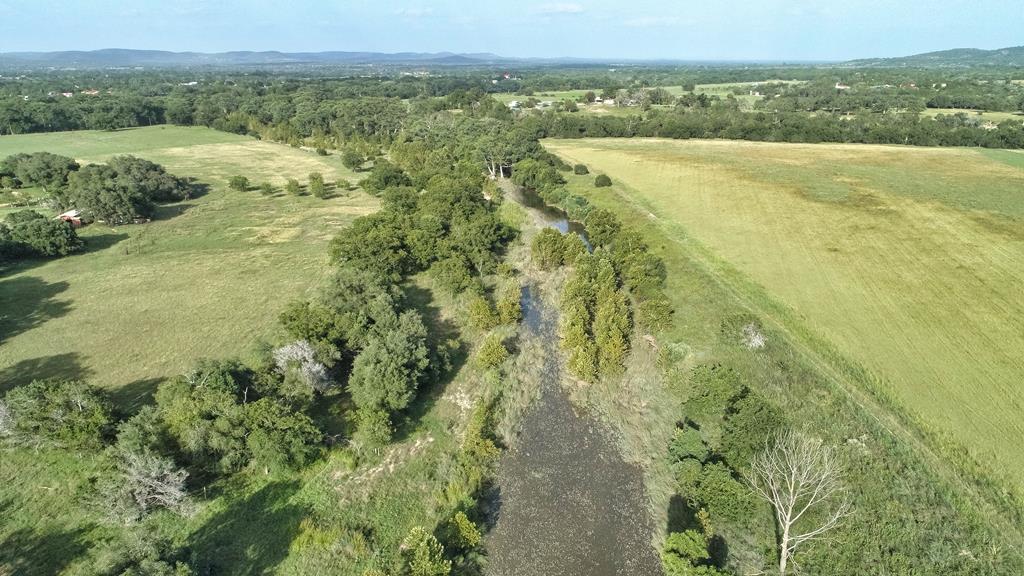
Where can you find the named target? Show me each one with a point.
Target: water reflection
(552, 216)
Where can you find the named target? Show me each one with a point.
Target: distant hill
(956, 58)
(119, 58)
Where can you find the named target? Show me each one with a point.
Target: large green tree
(387, 372)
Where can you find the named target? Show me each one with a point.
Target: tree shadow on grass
(101, 242)
(29, 551)
(439, 331)
(27, 302)
(681, 516)
(67, 365)
(168, 211)
(134, 395)
(251, 536)
(196, 189)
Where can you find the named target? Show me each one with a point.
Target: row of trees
(316, 185)
(620, 280)
(727, 121)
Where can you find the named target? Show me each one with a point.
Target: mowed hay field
(206, 278)
(908, 261)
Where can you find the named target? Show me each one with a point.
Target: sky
(617, 29)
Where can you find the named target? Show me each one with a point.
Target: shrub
(686, 554)
(58, 412)
(580, 169)
(749, 421)
(715, 388)
(266, 189)
(453, 274)
(509, 304)
(492, 352)
(536, 175)
(292, 187)
(725, 497)
(481, 315)
(602, 181)
(317, 187)
(506, 270)
(687, 443)
(464, 534)
(144, 481)
(239, 183)
(321, 151)
(213, 416)
(572, 248)
(277, 437)
(342, 184)
(611, 331)
(687, 472)
(423, 555)
(351, 159)
(384, 175)
(583, 361)
(654, 311)
(373, 428)
(387, 371)
(602, 226)
(547, 249)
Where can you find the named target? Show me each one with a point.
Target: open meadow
(206, 278)
(905, 261)
(983, 115)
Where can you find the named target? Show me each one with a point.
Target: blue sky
(681, 29)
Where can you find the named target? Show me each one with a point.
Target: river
(568, 504)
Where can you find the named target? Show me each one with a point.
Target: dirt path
(569, 504)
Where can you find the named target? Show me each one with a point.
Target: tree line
(881, 106)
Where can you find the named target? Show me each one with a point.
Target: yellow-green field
(908, 261)
(983, 115)
(206, 278)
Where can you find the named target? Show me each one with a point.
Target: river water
(550, 216)
(568, 504)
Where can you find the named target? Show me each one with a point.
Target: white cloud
(559, 8)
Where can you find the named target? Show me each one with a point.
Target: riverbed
(568, 504)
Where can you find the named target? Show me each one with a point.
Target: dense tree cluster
(224, 416)
(596, 321)
(29, 234)
(43, 169)
(66, 413)
(449, 224)
(724, 424)
(621, 281)
(123, 190)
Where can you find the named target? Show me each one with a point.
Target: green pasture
(206, 278)
(909, 261)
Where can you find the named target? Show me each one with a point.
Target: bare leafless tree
(301, 355)
(801, 478)
(146, 481)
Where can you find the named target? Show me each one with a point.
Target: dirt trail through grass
(569, 504)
